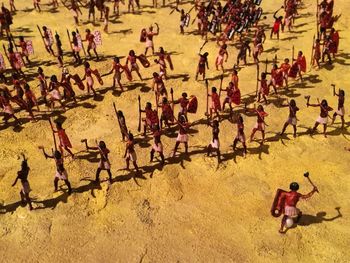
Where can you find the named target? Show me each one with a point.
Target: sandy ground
(191, 210)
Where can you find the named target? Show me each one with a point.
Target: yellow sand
(191, 210)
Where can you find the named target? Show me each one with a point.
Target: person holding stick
(61, 173)
(157, 146)
(130, 154)
(292, 118)
(215, 143)
(260, 122)
(63, 138)
(286, 203)
(324, 114)
(182, 136)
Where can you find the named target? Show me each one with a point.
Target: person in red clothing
(334, 36)
(183, 101)
(277, 25)
(63, 138)
(151, 118)
(221, 57)
(285, 67)
(260, 122)
(316, 54)
(276, 78)
(299, 65)
(23, 45)
(288, 201)
(90, 38)
(7, 108)
(167, 115)
(104, 163)
(158, 85)
(30, 97)
(264, 88)
(215, 103)
(229, 95)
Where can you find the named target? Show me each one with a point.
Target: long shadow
(185, 77)
(320, 217)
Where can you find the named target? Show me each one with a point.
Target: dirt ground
(191, 210)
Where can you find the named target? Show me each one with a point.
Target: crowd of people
(234, 22)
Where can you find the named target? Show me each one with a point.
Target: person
(36, 4)
(91, 6)
(23, 45)
(68, 92)
(157, 145)
(7, 108)
(292, 117)
(277, 25)
(48, 40)
(183, 18)
(215, 106)
(130, 154)
(287, 202)
(122, 124)
(334, 36)
(317, 54)
(215, 143)
(158, 85)
(59, 53)
(117, 68)
(54, 92)
(221, 57)
(162, 57)
(104, 163)
(260, 122)
(116, 6)
(75, 11)
(131, 5)
(285, 67)
(61, 173)
(89, 79)
(167, 116)
(277, 78)
(340, 110)
(132, 58)
(242, 54)
(76, 48)
(151, 118)
(63, 138)
(327, 47)
(182, 136)
(90, 38)
(30, 97)
(240, 137)
(149, 38)
(202, 65)
(106, 19)
(323, 118)
(23, 176)
(42, 84)
(264, 88)
(15, 62)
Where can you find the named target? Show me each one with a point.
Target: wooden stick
(221, 79)
(312, 51)
(13, 42)
(257, 79)
(172, 99)
(139, 127)
(207, 93)
(41, 34)
(70, 42)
